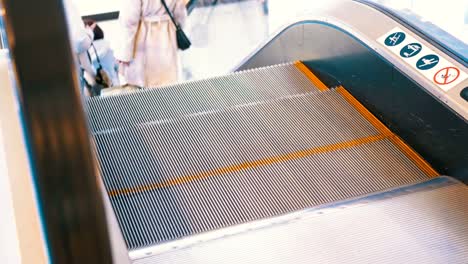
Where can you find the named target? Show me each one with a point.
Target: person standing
(81, 38)
(148, 56)
(101, 54)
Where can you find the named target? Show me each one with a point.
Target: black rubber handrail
(63, 167)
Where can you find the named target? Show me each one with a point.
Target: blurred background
(222, 31)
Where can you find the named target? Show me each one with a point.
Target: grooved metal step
(169, 102)
(174, 178)
(423, 223)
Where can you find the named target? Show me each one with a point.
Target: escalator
(323, 145)
(201, 157)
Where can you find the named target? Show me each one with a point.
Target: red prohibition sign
(446, 75)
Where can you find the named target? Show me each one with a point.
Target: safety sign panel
(424, 60)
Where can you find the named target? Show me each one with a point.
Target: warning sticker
(424, 60)
(446, 75)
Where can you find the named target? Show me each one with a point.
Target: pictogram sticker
(423, 60)
(427, 62)
(395, 39)
(410, 50)
(446, 75)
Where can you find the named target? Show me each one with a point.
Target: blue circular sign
(427, 62)
(410, 50)
(395, 39)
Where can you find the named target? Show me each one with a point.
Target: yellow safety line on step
(407, 150)
(316, 81)
(248, 165)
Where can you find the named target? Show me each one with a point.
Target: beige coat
(149, 42)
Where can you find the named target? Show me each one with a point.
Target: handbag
(101, 79)
(183, 42)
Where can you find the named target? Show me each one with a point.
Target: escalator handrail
(302, 20)
(63, 168)
(416, 30)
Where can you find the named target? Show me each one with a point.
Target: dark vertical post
(56, 130)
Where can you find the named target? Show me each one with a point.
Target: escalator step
(206, 204)
(199, 172)
(169, 102)
(236, 135)
(421, 223)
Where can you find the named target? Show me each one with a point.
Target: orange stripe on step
(407, 150)
(247, 165)
(314, 79)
